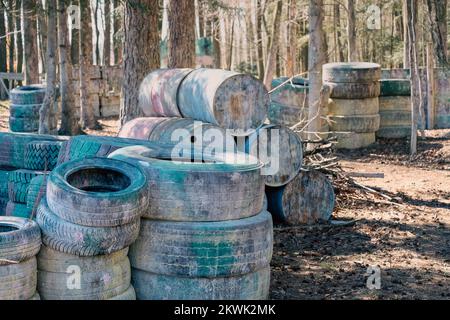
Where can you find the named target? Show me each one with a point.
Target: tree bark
(416, 90)
(140, 52)
(87, 116)
(11, 37)
(75, 40)
(118, 34)
(316, 58)
(437, 18)
(69, 120)
(42, 35)
(337, 33)
(107, 38)
(406, 61)
(274, 44)
(351, 31)
(47, 113)
(31, 55)
(259, 43)
(181, 38)
(19, 41)
(3, 54)
(291, 47)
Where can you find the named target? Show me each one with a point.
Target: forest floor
(409, 240)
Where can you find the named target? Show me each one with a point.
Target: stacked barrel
(354, 109)
(395, 108)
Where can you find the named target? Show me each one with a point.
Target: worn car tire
(251, 286)
(19, 210)
(354, 72)
(25, 111)
(358, 124)
(395, 87)
(23, 124)
(18, 280)
(97, 192)
(4, 174)
(31, 94)
(42, 155)
(3, 204)
(198, 191)
(129, 294)
(204, 249)
(354, 90)
(18, 182)
(80, 240)
(101, 277)
(36, 191)
(20, 239)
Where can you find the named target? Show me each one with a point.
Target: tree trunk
(75, 39)
(11, 37)
(107, 37)
(291, 46)
(351, 31)
(47, 113)
(42, 35)
(69, 122)
(437, 18)
(140, 53)
(117, 35)
(97, 33)
(3, 55)
(31, 55)
(87, 117)
(406, 61)
(19, 40)
(316, 58)
(416, 90)
(258, 31)
(181, 38)
(272, 56)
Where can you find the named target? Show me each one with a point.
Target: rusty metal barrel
(228, 99)
(181, 131)
(158, 92)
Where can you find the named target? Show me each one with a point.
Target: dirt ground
(407, 238)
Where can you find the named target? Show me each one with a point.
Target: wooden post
(430, 87)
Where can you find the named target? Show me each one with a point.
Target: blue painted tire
(150, 286)
(18, 182)
(84, 241)
(18, 210)
(36, 191)
(25, 111)
(20, 239)
(212, 190)
(204, 249)
(23, 124)
(97, 192)
(32, 94)
(42, 155)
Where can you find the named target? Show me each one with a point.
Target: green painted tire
(42, 155)
(214, 190)
(98, 192)
(36, 191)
(30, 111)
(204, 249)
(251, 286)
(395, 87)
(23, 124)
(4, 174)
(18, 182)
(20, 239)
(19, 210)
(84, 241)
(32, 94)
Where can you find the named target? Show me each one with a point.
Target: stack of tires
(395, 108)
(354, 109)
(205, 234)
(89, 217)
(20, 241)
(26, 186)
(24, 109)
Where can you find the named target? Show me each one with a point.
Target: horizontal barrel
(159, 90)
(228, 99)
